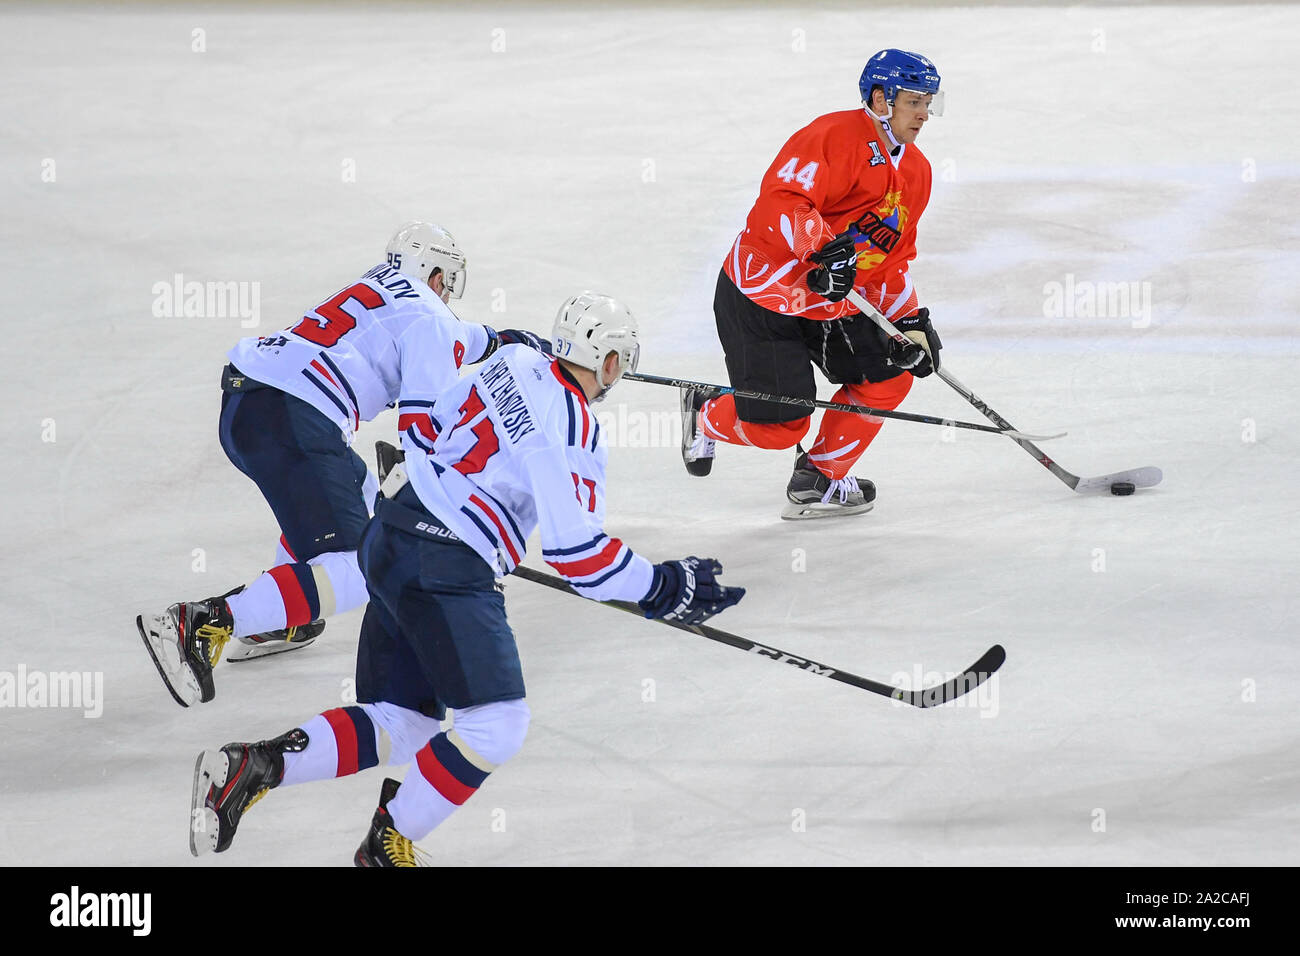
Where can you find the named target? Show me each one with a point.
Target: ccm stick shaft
(963, 683)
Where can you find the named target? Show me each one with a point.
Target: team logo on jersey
(880, 230)
(881, 233)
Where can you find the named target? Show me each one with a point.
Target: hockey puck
(1122, 488)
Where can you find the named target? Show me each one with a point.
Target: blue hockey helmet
(894, 70)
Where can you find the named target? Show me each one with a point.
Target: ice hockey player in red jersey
(290, 407)
(511, 448)
(837, 209)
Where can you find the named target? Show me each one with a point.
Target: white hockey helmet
(588, 327)
(420, 247)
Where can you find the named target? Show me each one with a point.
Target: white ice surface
(619, 149)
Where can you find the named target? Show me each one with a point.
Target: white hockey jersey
(352, 354)
(515, 446)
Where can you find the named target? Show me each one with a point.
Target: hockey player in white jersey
(510, 449)
(291, 405)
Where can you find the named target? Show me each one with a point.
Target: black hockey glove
(837, 267)
(687, 591)
(921, 357)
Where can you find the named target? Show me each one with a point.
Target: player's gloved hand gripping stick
(920, 354)
(837, 267)
(688, 591)
(1137, 477)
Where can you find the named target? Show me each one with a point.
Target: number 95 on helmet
(588, 327)
(420, 247)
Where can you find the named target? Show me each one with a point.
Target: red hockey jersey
(834, 173)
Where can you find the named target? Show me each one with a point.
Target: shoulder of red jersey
(914, 155)
(842, 119)
(844, 129)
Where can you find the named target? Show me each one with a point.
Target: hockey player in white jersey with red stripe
(497, 429)
(291, 405)
(510, 449)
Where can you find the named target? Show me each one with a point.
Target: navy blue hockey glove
(921, 357)
(524, 337)
(837, 267)
(688, 591)
(513, 337)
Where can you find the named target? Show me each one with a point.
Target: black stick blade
(963, 683)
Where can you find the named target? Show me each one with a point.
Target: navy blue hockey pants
(435, 634)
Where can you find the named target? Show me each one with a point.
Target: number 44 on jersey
(804, 177)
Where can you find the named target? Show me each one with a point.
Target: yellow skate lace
(401, 851)
(216, 638)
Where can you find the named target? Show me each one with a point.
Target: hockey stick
(963, 683)
(833, 406)
(1138, 477)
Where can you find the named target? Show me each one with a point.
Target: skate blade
(239, 651)
(210, 771)
(811, 510)
(164, 648)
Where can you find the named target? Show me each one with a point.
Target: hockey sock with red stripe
(454, 764)
(348, 740)
(291, 595)
(341, 742)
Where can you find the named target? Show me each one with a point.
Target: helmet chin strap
(884, 122)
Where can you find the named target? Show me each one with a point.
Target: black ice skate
(697, 448)
(813, 494)
(274, 642)
(185, 642)
(229, 781)
(383, 845)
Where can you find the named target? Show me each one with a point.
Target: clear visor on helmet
(454, 281)
(452, 264)
(627, 362)
(915, 99)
